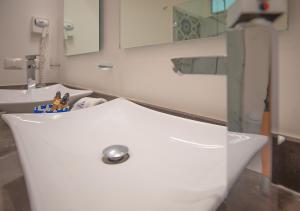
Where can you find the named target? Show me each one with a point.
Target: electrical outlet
(13, 64)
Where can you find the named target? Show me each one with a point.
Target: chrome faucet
(249, 73)
(31, 65)
(252, 66)
(252, 71)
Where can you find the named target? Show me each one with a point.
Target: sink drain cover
(115, 154)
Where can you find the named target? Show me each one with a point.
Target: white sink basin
(23, 101)
(175, 164)
(241, 149)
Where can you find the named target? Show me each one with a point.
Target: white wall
(153, 25)
(16, 39)
(145, 73)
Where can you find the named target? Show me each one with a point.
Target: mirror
(145, 22)
(81, 26)
(200, 65)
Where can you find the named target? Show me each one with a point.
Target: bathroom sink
(174, 163)
(23, 101)
(241, 147)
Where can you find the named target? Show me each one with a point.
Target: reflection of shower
(185, 26)
(219, 21)
(188, 25)
(200, 65)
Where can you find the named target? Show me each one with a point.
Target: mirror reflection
(200, 65)
(145, 22)
(81, 26)
(199, 19)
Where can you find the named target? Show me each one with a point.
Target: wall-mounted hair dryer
(68, 26)
(40, 26)
(68, 30)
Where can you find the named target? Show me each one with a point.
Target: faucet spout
(252, 78)
(253, 84)
(31, 71)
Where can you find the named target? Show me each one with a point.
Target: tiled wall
(190, 27)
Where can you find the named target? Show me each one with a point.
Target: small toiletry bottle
(56, 101)
(64, 101)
